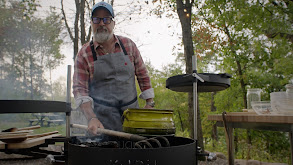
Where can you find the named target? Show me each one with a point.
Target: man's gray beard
(102, 36)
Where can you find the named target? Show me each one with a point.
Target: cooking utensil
(141, 114)
(142, 142)
(144, 128)
(14, 129)
(112, 133)
(148, 121)
(19, 138)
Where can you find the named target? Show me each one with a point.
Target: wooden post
(291, 144)
(230, 145)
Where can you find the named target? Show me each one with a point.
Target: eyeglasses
(106, 20)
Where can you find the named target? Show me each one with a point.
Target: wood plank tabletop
(247, 117)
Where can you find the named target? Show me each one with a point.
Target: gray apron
(113, 87)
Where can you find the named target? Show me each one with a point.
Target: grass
(21, 120)
(257, 150)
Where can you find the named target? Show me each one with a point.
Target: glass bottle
(253, 95)
(289, 88)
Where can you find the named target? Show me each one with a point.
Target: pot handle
(124, 116)
(113, 133)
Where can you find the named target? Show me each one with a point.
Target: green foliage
(30, 46)
(229, 100)
(252, 41)
(257, 51)
(167, 99)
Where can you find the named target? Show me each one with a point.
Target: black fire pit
(182, 151)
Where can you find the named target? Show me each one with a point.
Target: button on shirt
(84, 69)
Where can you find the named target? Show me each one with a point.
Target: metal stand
(195, 75)
(194, 63)
(68, 100)
(68, 114)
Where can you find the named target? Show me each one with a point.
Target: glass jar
(289, 88)
(253, 95)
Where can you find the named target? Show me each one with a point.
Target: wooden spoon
(14, 129)
(112, 133)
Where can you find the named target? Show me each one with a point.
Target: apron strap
(122, 46)
(95, 54)
(93, 50)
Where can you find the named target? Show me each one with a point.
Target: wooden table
(42, 117)
(250, 120)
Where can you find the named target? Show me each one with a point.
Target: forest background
(251, 40)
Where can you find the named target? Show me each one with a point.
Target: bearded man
(104, 74)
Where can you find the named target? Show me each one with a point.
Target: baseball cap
(104, 5)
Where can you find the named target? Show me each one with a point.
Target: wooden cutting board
(16, 138)
(15, 133)
(27, 143)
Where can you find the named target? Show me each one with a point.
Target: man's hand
(148, 107)
(149, 103)
(93, 126)
(93, 122)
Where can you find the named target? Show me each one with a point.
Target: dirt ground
(19, 161)
(14, 159)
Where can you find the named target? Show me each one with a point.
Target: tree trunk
(242, 84)
(249, 143)
(184, 13)
(24, 78)
(76, 29)
(82, 24)
(31, 78)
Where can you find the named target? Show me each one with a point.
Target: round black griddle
(212, 82)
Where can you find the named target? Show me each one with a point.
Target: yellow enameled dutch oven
(148, 121)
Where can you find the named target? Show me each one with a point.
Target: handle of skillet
(113, 133)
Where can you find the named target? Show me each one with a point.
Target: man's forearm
(87, 110)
